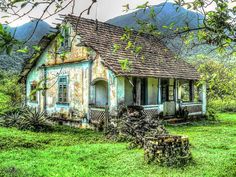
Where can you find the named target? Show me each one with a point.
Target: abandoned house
(88, 78)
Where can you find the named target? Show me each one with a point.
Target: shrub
(225, 105)
(10, 92)
(211, 113)
(33, 120)
(10, 120)
(25, 119)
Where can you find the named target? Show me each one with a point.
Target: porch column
(204, 99)
(176, 90)
(159, 92)
(191, 91)
(138, 91)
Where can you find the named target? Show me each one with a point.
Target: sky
(103, 10)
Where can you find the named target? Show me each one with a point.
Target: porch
(158, 96)
(166, 97)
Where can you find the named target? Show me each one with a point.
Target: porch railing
(99, 115)
(192, 108)
(151, 110)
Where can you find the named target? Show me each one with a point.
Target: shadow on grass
(7, 143)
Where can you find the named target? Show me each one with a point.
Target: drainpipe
(24, 83)
(45, 88)
(89, 88)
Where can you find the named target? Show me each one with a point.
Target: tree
(220, 78)
(10, 91)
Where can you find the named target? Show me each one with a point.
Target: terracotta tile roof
(159, 61)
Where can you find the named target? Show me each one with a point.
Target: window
(63, 89)
(33, 92)
(171, 90)
(66, 35)
(164, 90)
(185, 91)
(167, 90)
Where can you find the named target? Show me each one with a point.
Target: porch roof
(158, 61)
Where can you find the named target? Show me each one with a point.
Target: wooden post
(175, 91)
(106, 118)
(138, 91)
(159, 91)
(204, 99)
(191, 91)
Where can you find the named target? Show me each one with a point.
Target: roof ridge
(111, 25)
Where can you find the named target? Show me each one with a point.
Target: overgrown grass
(3, 102)
(73, 152)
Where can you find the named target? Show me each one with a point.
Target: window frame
(35, 95)
(66, 44)
(185, 84)
(64, 99)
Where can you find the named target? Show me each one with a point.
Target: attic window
(66, 35)
(62, 89)
(33, 92)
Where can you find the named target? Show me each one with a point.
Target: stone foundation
(167, 150)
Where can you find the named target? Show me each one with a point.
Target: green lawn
(72, 152)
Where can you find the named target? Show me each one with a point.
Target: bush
(33, 120)
(10, 92)
(225, 105)
(10, 120)
(25, 119)
(211, 113)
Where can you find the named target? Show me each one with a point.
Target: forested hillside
(23, 33)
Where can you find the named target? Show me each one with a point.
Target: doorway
(168, 97)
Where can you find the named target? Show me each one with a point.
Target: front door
(167, 97)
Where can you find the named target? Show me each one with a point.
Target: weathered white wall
(128, 91)
(78, 80)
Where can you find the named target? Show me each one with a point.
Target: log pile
(135, 125)
(167, 150)
(149, 133)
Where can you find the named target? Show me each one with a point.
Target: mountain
(23, 33)
(167, 13)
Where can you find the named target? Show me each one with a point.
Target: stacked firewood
(135, 125)
(149, 133)
(167, 150)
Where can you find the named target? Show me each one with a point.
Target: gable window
(66, 35)
(33, 92)
(63, 89)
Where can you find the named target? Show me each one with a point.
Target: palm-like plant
(33, 120)
(10, 120)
